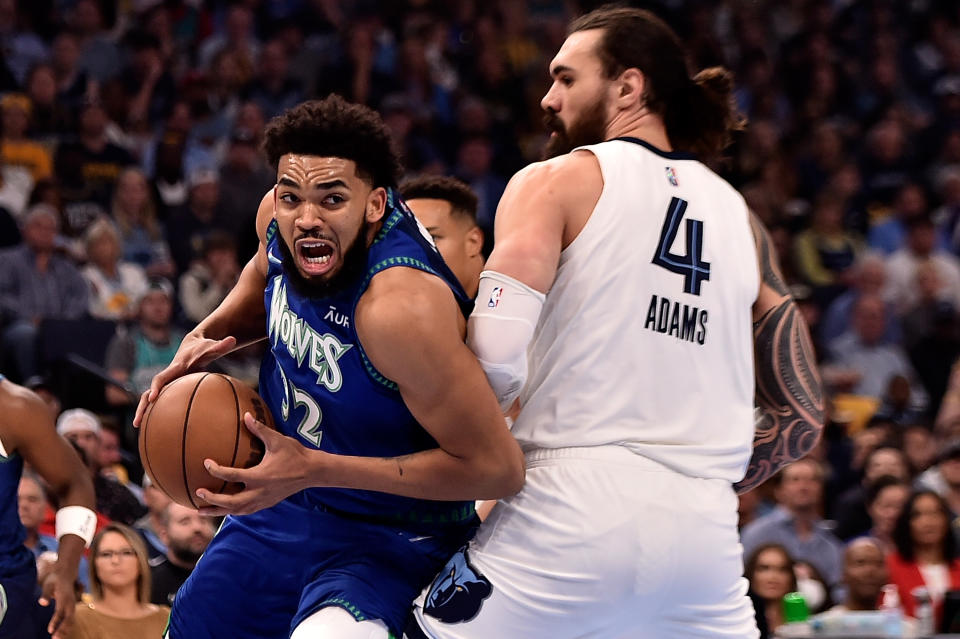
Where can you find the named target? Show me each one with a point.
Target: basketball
(196, 417)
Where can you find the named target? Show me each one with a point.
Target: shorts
(600, 543)
(264, 573)
(21, 617)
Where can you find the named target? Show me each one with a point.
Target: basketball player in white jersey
(634, 307)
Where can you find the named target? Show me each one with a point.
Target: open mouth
(314, 257)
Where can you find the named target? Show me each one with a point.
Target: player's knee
(334, 622)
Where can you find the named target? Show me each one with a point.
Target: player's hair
(333, 127)
(699, 112)
(462, 199)
(136, 542)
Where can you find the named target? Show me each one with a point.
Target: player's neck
(640, 124)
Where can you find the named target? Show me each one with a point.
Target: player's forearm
(430, 474)
(241, 314)
(789, 394)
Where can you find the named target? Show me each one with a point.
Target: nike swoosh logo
(273, 258)
(421, 538)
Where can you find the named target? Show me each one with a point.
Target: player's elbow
(508, 472)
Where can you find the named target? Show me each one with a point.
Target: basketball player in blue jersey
(386, 427)
(27, 434)
(634, 308)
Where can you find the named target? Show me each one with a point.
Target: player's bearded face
(587, 128)
(352, 268)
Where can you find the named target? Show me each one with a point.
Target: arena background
(149, 115)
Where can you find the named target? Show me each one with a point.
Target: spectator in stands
(796, 523)
(50, 118)
(186, 534)
(115, 285)
(120, 584)
(141, 232)
(862, 364)
(32, 504)
(147, 83)
(136, 354)
(919, 448)
(864, 575)
(853, 519)
(188, 226)
(88, 169)
(114, 500)
(99, 56)
(72, 82)
(274, 90)
(926, 552)
(210, 278)
(244, 177)
(474, 166)
(36, 283)
(920, 248)
(869, 278)
(890, 234)
(826, 252)
(16, 149)
(150, 525)
(885, 497)
(769, 569)
(238, 37)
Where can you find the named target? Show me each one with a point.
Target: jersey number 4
(691, 265)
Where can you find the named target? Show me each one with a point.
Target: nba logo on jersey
(672, 176)
(495, 295)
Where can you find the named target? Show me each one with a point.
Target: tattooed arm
(789, 395)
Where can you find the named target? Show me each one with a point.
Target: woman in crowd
(115, 286)
(885, 498)
(120, 584)
(141, 233)
(926, 552)
(771, 573)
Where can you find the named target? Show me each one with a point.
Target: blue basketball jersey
(322, 388)
(14, 556)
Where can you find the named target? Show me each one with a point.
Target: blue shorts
(23, 618)
(265, 573)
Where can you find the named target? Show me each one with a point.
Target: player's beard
(353, 267)
(590, 128)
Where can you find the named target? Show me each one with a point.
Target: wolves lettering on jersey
(300, 339)
(322, 388)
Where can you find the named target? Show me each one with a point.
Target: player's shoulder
(561, 171)
(18, 402)
(560, 181)
(402, 299)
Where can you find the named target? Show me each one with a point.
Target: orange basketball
(196, 417)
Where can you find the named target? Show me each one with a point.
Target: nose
(310, 217)
(551, 99)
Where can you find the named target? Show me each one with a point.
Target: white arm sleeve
(500, 329)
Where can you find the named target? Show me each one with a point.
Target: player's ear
(376, 204)
(629, 88)
(474, 241)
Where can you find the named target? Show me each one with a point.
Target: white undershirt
(937, 579)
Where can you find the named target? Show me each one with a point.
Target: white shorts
(599, 543)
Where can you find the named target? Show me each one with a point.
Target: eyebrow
(557, 70)
(323, 186)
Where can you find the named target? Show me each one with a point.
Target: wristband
(76, 520)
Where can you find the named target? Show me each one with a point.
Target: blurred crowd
(130, 175)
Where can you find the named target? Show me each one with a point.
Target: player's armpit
(789, 393)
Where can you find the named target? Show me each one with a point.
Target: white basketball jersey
(645, 339)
